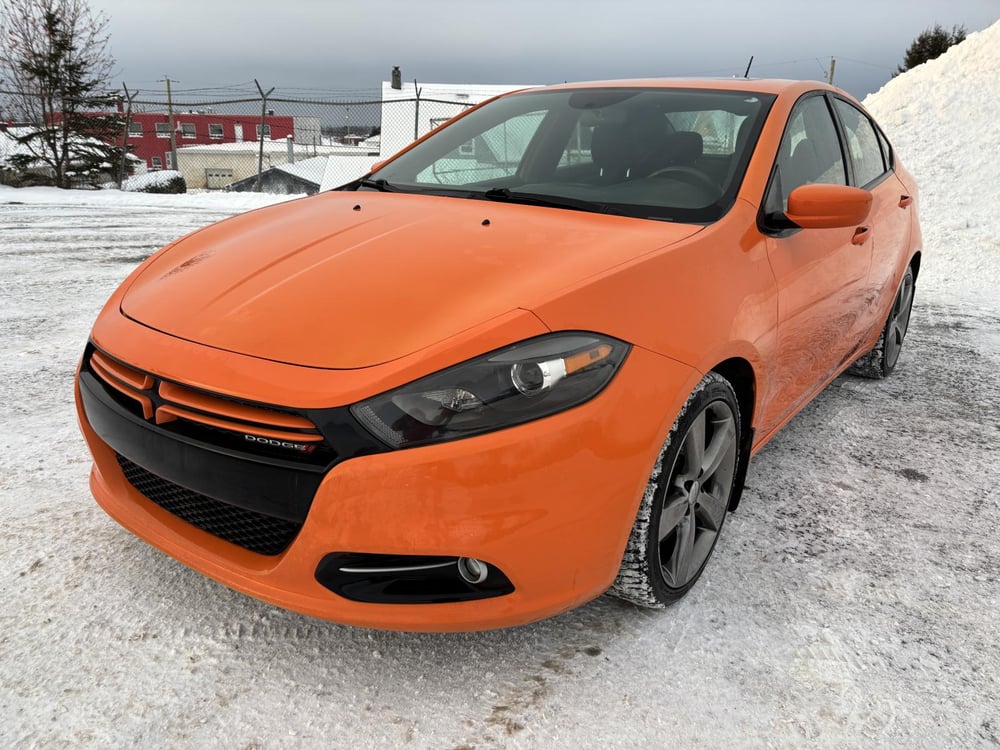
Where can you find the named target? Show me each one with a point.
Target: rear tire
(881, 360)
(686, 499)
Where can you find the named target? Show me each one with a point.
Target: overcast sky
(336, 46)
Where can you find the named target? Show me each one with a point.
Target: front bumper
(550, 503)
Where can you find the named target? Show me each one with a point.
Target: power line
(881, 66)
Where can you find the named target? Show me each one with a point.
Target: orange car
(521, 363)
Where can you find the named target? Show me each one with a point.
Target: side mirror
(821, 206)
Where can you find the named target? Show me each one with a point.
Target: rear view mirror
(821, 206)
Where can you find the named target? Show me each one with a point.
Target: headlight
(526, 381)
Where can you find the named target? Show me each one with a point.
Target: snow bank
(942, 118)
(195, 200)
(151, 182)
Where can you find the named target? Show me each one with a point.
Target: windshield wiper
(383, 186)
(506, 195)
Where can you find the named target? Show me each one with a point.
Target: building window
(215, 131)
(187, 130)
(135, 129)
(163, 130)
(156, 163)
(267, 131)
(170, 160)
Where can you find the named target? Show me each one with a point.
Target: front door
(821, 274)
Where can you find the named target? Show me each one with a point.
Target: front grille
(229, 423)
(263, 534)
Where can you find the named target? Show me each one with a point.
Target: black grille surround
(243, 491)
(256, 532)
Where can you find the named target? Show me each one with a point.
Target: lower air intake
(252, 531)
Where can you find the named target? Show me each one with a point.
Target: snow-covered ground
(853, 600)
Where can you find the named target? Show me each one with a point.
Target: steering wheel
(689, 175)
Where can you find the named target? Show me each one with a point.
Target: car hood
(346, 280)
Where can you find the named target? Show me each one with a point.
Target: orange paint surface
(270, 319)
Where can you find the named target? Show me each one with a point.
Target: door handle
(905, 200)
(860, 236)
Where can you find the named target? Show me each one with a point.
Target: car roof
(756, 85)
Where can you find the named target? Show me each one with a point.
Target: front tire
(686, 499)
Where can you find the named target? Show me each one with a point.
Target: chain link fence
(246, 140)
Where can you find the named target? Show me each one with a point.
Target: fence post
(416, 111)
(170, 120)
(263, 121)
(128, 123)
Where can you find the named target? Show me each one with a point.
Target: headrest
(610, 147)
(683, 147)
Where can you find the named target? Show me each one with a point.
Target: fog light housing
(410, 579)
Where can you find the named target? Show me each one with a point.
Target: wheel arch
(740, 374)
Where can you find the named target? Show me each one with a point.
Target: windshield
(658, 153)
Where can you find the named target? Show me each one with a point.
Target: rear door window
(862, 144)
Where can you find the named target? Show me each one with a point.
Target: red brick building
(149, 132)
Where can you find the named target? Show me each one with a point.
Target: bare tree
(55, 69)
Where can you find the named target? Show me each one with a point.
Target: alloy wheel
(697, 494)
(899, 320)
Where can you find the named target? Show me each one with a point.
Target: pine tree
(930, 44)
(53, 57)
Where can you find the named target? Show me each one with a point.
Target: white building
(216, 165)
(407, 116)
(407, 113)
(416, 109)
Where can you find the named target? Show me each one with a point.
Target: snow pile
(194, 202)
(310, 169)
(942, 120)
(153, 182)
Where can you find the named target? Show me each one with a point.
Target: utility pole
(833, 65)
(170, 119)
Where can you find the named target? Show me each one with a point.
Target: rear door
(870, 167)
